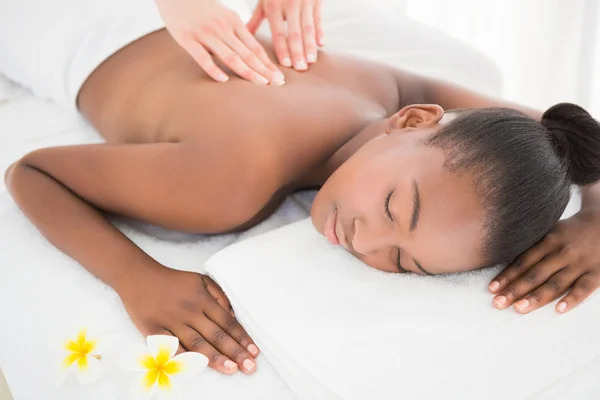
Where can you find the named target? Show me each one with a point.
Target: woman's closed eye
(398, 263)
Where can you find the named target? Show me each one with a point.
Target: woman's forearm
(76, 227)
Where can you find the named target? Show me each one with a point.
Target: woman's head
(465, 189)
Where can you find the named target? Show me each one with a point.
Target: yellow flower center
(80, 349)
(159, 368)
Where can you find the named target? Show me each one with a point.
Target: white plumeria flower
(83, 358)
(160, 372)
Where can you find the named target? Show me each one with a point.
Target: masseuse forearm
(74, 226)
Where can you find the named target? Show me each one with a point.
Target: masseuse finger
(556, 285)
(234, 61)
(230, 324)
(192, 340)
(204, 59)
(522, 263)
(582, 288)
(529, 280)
(221, 340)
(319, 23)
(294, 37)
(309, 32)
(248, 56)
(275, 75)
(257, 18)
(275, 17)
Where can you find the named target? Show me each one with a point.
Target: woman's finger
(192, 340)
(274, 75)
(218, 338)
(230, 324)
(204, 59)
(319, 23)
(555, 286)
(275, 17)
(582, 288)
(294, 37)
(309, 33)
(234, 61)
(522, 263)
(216, 292)
(257, 18)
(530, 279)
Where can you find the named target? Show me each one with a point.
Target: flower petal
(90, 370)
(81, 338)
(132, 355)
(62, 373)
(170, 391)
(164, 346)
(187, 365)
(138, 389)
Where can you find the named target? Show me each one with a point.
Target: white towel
(334, 328)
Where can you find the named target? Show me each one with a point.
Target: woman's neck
(319, 175)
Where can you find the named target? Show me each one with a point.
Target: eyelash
(386, 206)
(398, 265)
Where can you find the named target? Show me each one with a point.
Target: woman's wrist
(131, 275)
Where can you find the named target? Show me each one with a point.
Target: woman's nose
(369, 238)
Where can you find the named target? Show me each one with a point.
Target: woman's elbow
(13, 174)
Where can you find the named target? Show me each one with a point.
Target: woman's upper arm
(175, 185)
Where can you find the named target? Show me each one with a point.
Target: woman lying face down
(447, 192)
(412, 190)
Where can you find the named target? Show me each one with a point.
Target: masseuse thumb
(256, 20)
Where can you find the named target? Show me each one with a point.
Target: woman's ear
(415, 116)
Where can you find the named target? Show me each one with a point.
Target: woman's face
(396, 207)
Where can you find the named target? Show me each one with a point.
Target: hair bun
(576, 138)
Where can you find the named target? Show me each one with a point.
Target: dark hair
(522, 169)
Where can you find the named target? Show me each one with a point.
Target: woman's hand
(567, 259)
(297, 47)
(193, 308)
(205, 28)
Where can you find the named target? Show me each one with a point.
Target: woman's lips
(329, 227)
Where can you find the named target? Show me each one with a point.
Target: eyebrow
(414, 219)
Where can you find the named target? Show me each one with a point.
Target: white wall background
(548, 50)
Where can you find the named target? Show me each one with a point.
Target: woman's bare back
(153, 92)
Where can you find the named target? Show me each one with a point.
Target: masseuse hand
(297, 47)
(567, 260)
(206, 28)
(193, 308)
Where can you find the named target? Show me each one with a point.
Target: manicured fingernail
(311, 58)
(230, 365)
(500, 300)
(253, 350)
(301, 65)
(522, 304)
(561, 307)
(223, 78)
(494, 286)
(261, 80)
(278, 80)
(249, 365)
(286, 62)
